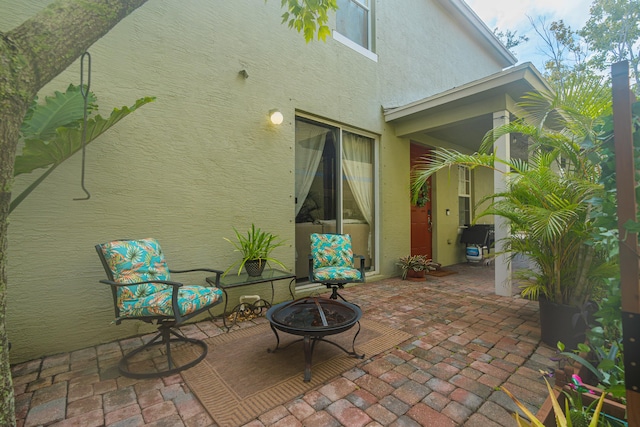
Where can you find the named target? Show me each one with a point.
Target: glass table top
(269, 274)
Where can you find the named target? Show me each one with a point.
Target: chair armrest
(311, 268)
(215, 282)
(361, 267)
(211, 270)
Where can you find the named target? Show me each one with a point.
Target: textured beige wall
(203, 158)
(482, 187)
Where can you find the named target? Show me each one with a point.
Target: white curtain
(310, 141)
(358, 169)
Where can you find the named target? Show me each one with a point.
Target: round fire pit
(313, 318)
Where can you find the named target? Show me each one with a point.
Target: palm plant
(549, 198)
(256, 245)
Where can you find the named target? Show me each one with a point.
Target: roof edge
(462, 10)
(525, 71)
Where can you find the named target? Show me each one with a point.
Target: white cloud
(513, 15)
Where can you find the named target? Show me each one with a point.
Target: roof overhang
(462, 115)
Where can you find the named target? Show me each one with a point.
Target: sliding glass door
(334, 188)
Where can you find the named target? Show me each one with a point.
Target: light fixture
(276, 117)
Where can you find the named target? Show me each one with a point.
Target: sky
(512, 15)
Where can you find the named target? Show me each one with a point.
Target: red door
(421, 217)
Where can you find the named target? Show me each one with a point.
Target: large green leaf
(66, 141)
(62, 109)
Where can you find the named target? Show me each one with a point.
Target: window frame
(343, 39)
(464, 194)
(375, 261)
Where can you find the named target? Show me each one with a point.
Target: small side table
(235, 281)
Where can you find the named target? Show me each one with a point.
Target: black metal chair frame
(166, 324)
(334, 285)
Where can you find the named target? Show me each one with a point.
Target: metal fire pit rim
(317, 331)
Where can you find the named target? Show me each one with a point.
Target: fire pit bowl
(322, 316)
(313, 318)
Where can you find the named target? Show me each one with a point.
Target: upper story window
(353, 26)
(353, 20)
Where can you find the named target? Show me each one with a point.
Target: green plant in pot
(416, 263)
(549, 200)
(256, 247)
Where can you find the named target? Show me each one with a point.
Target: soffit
(462, 115)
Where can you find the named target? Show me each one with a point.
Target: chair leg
(334, 292)
(163, 337)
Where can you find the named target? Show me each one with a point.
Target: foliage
(256, 245)
(416, 263)
(605, 346)
(609, 364)
(510, 39)
(566, 52)
(563, 419)
(309, 15)
(613, 33)
(549, 199)
(52, 132)
(581, 415)
(423, 195)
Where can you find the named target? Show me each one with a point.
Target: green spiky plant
(571, 416)
(255, 245)
(549, 198)
(52, 132)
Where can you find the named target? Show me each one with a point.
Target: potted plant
(574, 413)
(416, 265)
(551, 201)
(255, 247)
(600, 361)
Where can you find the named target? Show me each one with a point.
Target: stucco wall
(482, 187)
(203, 157)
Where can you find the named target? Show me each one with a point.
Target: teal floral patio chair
(143, 289)
(332, 262)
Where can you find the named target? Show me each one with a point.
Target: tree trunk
(31, 55)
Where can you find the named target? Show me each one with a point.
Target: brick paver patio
(467, 342)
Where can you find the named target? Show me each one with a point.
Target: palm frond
(444, 159)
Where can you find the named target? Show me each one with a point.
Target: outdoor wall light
(276, 117)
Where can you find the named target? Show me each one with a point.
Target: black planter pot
(564, 323)
(254, 267)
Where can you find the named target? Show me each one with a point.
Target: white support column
(502, 266)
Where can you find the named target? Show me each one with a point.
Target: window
(464, 195)
(334, 188)
(353, 21)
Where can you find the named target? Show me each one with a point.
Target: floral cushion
(190, 299)
(132, 261)
(331, 250)
(325, 274)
